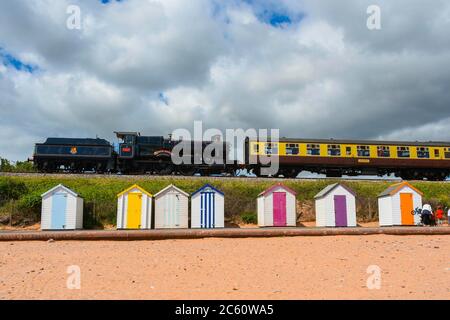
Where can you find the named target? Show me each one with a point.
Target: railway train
(138, 154)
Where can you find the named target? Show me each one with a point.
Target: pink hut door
(279, 209)
(340, 211)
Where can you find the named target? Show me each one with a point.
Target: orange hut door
(406, 206)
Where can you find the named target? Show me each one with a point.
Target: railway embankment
(20, 195)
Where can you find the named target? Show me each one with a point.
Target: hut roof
(393, 189)
(135, 186)
(58, 187)
(278, 185)
(330, 188)
(171, 187)
(208, 186)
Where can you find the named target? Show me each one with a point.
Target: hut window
(292, 149)
(363, 151)
(403, 152)
(423, 153)
(271, 148)
(383, 152)
(334, 150)
(313, 149)
(447, 153)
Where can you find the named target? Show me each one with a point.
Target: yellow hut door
(406, 205)
(134, 211)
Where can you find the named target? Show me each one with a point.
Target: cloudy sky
(311, 68)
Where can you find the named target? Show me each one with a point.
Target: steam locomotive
(136, 154)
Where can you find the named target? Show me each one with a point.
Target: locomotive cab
(128, 144)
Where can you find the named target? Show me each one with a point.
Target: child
(439, 215)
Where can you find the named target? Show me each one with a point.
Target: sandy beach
(412, 267)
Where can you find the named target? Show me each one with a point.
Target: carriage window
(334, 150)
(271, 148)
(256, 148)
(437, 153)
(292, 149)
(313, 149)
(403, 152)
(348, 151)
(447, 153)
(363, 151)
(383, 152)
(423, 153)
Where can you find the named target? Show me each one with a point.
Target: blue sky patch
(163, 98)
(9, 60)
(273, 13)
(108, 1)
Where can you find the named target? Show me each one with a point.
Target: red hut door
(279, 209)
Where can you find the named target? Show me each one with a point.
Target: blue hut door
(59, 206)
(208, 210)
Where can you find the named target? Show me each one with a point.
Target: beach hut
(62, 209)
(396, 203)
(134, 209)
(336, 206)
(171, 208)
(207, 208)
(277, 207)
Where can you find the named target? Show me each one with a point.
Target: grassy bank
(20, 196)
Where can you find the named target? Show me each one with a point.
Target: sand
(412, 267)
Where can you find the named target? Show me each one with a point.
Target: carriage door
(59, 208)
(340, 211)
(279, 209)
(172, 208)
(134, 211)
(208, 210)
(406, 207)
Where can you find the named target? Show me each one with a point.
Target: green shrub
(249, 218)
(11, 189)
(30, 202)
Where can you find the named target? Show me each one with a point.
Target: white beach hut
(336, 206)
(134, 209)
(62, 209)
(207, 208)
(171, 208)
(396, 204)
(277, 207)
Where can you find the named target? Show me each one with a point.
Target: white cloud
(325, 75)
